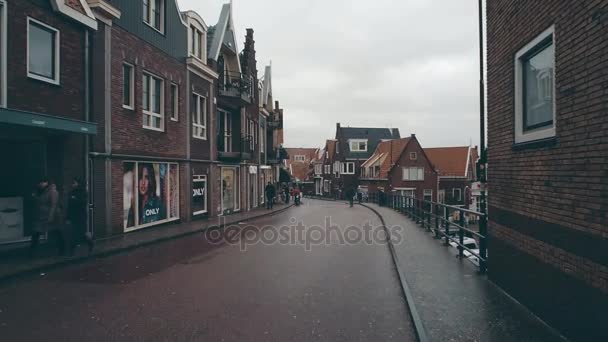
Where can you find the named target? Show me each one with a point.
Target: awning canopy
(17, 117)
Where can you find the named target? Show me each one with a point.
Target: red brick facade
(548, 203)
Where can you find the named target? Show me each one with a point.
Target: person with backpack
(48, 215)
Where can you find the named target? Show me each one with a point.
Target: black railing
(449, 223)
(277, 155)
(242, 151)
(235, 84)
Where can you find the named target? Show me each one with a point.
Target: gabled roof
(267, 86)
(372, 135)
(78, 10)
(387, 153)
(223, 33)
(330, 147)
(450, 161)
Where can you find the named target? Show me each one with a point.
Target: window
(199, 117)
(326, 185)
(42, 51)
(441, 196)
(252, 137)
(299, 158)
(413, 173)
(535, 89)
(358, 145)
(153, 102)
(197, 43)
(128, 86)
(199, 194)
(318, 169)
(225, 128)
(413, 155)
(174, 102)
(428, 195)
(262, 138)
(348, 168)
(328, 169)
(154, 13)
(457, 194)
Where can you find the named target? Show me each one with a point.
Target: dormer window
(154, 14)
(299, 158)
(358, 145)
(197, 43)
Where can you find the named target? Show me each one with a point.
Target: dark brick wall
(430, 175)
(65, 100)
(449, 184)
(128, 135)
(200, 149)
(561, 188)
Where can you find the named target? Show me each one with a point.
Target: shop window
(199, 194)
(42, 51)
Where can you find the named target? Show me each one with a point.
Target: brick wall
(430, 175)
(128, 136)
(65, 100)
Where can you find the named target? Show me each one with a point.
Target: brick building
(45, 89)
(400, 167)
(327, 171)
(456, 167)
(547, 155)
(299, 166)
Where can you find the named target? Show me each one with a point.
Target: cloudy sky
(407, 64)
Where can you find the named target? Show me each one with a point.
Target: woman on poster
(151, 208)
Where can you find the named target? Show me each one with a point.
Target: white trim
(175, 110)
(459, 194)
(543, 132)
(415, 156)
(132, 90)
(88, 20)
(149, 112)
(357, 141)
(405, 176)
(3, 53)
(103, 6)
(202, 115)
(344, 169)
(466, 168)
(57, 79)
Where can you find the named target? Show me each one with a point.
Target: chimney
(413, 135)
(276, 105)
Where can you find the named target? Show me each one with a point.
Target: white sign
(11, 219)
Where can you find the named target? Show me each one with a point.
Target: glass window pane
(156, 94)
(126, 85)
(538, 88)
(147, 11)
(146, 93)
(41, 51)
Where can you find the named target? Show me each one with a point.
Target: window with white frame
(197, 43)
(413, 173)
(299, 158)
(128, 86)
(413, 155)
(457, 194)
(153, 102)
(535, 89)
(348, 168)
(252, 137)
(199, 116)
(174, 102)
(326, 185)
(154, 13)
(262, 138)
(428, 195)
(328, 169)
(42, 51)
(318, 169)
(359, 145)
(337, 166)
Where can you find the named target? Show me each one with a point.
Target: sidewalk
(454, 302)
(16, 262)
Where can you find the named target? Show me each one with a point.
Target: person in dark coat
(76, 217)
(270, 192)
(350, 194)
(47, 214)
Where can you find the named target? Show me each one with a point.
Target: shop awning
(17, 117)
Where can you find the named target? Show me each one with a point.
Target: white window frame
(459, 198)
(427, 192)
(3, 53)
(542, 132)
(318, 169)
(326, 185)
(252, 136)
(197, 47)
(227, 133)
(413, 156)
(56, 79)
(328, 169)
(345, 168)
(149, 112)
(299, 158)
(441, 196)
(130, 106)
(200, 179)
(356, 142)
(262, 137)
(419, 174)
(175, 97)
(200, 112)
(150, 14)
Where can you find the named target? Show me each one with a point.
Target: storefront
(230, 189)
(199, 195)
(150, 194)
(253, 187)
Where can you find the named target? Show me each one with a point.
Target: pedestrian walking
(47, 215)
(76, 217)
(286, 191)
(350, 194)
(270, 194)
(359, 195)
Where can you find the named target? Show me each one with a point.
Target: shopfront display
(199, 194)
(230, 190)
(150, 194)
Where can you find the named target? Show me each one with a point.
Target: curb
(418, 325)
(105, 254)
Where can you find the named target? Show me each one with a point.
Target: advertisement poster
(173, 191)
(199, 194)
(128, 195)
(151, 192)
(11, 219)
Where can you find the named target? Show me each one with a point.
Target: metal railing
(236, 82)
(449, 223)
(243, 148)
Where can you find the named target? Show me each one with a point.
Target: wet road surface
(193, 290)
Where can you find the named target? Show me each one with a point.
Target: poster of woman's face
(151, 192)
(128, 194)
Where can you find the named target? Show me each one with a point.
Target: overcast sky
(407, 64)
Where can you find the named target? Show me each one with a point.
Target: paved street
(191, 289)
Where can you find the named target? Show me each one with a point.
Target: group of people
(286, 192)
(69, 228)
